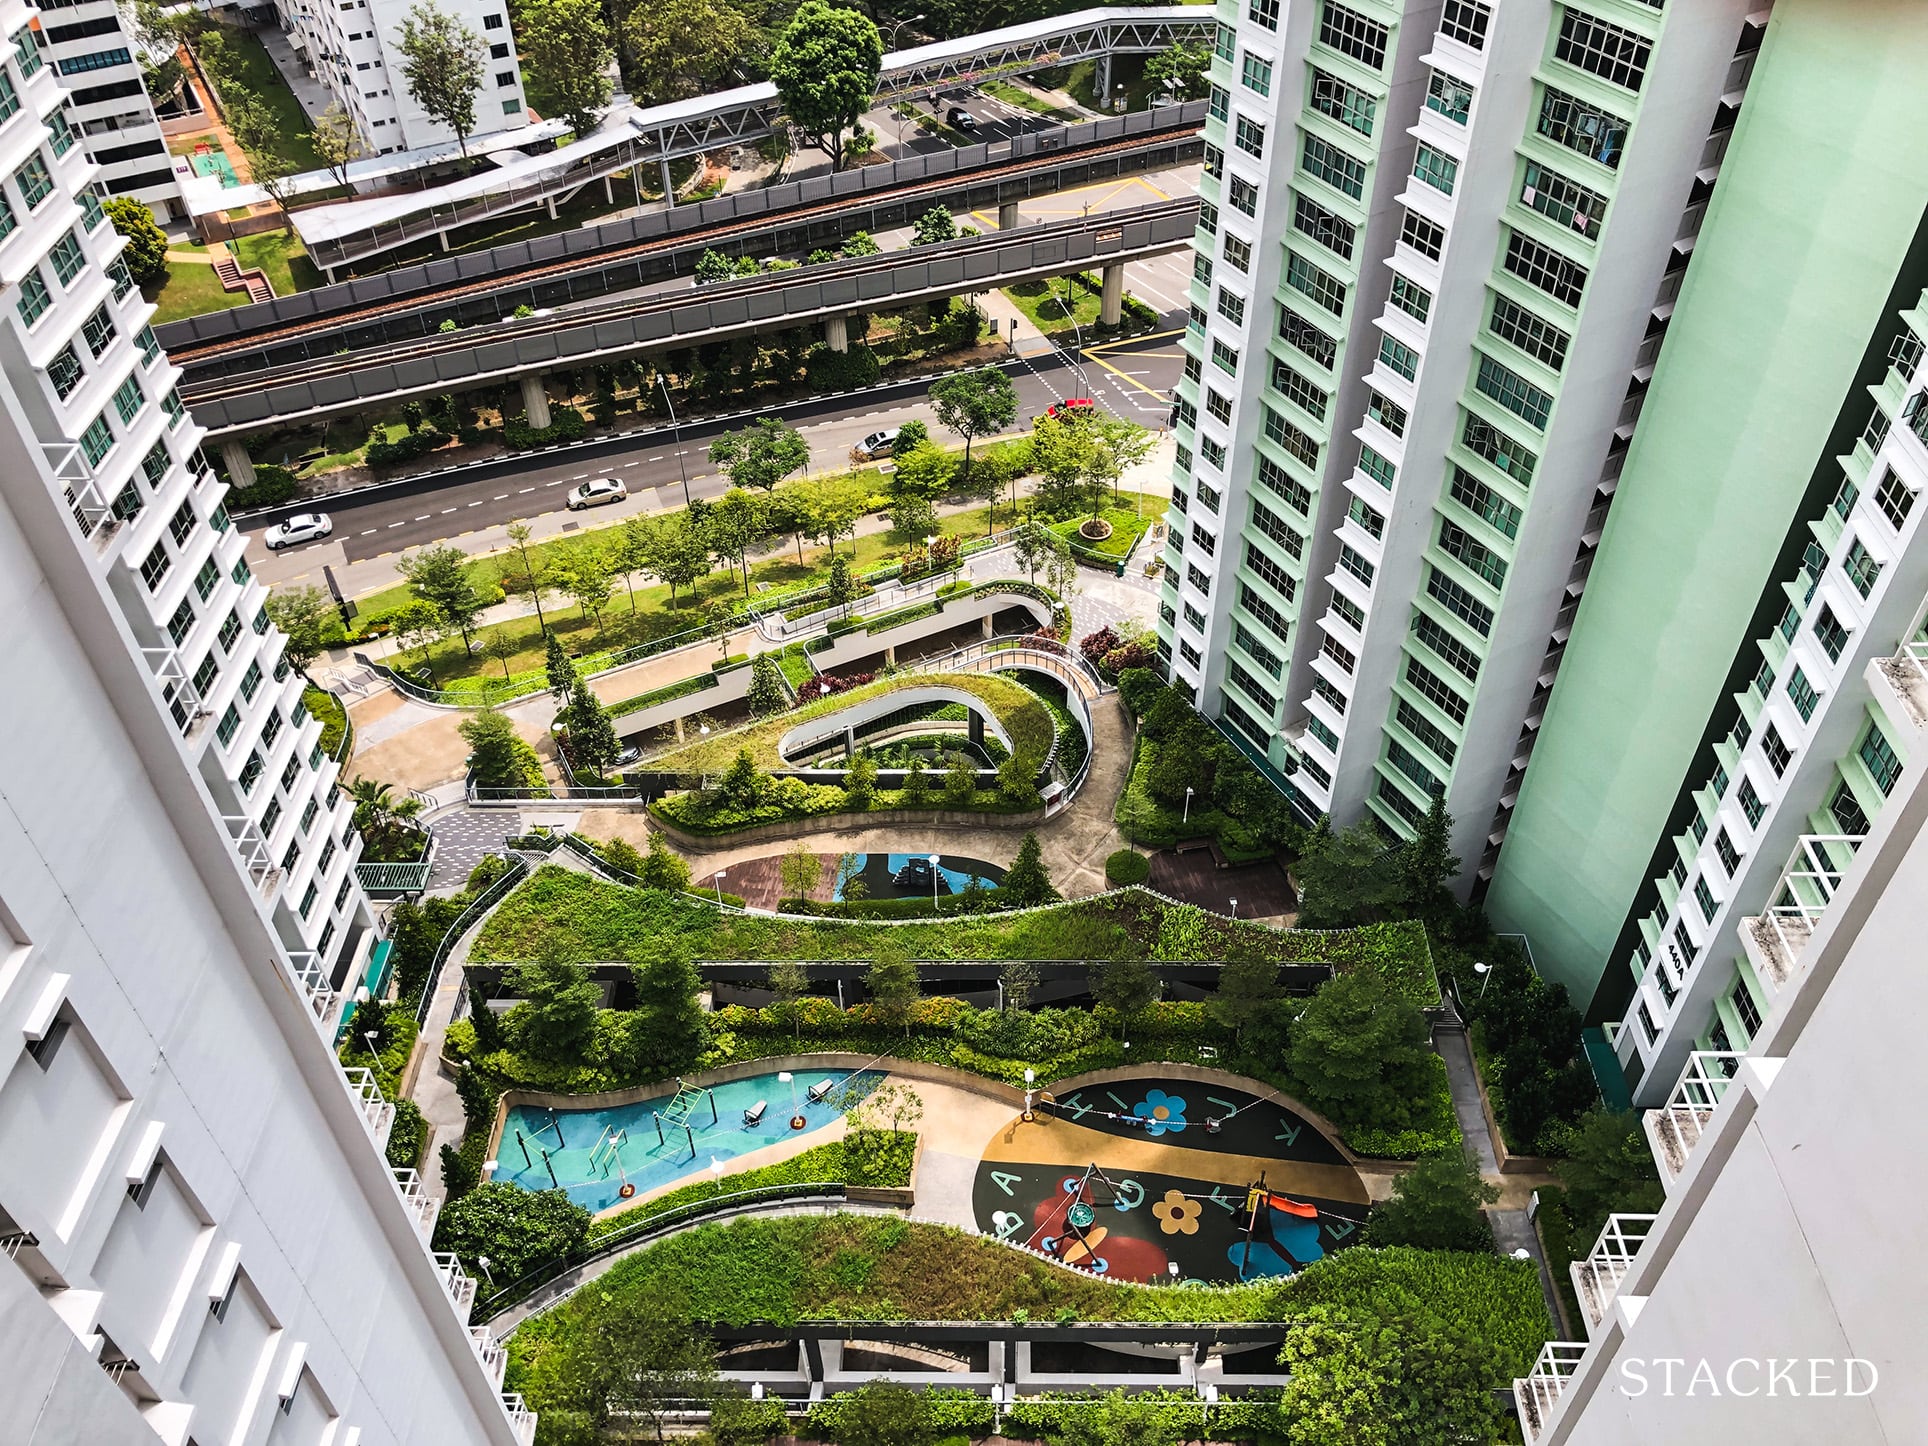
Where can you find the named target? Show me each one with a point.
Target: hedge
(271, 487)
(702, 682)
(1127, 866)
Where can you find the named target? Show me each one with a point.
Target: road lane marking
(423, 518)
(369, 532)
(476, 503)
(525, 489)
(447, 510)
(500, 497)
(395, 524)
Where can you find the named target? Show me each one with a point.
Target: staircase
(233, 278)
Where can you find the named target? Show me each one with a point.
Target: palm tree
(385, 819)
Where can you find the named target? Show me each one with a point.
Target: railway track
(705, 237)
(221, 388)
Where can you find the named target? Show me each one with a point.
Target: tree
(257, 129)
(767, 693)
(761, 455)
(670, 1031)
(497, 755)
(798, 872)
(1363, 1379)
(146, 253)
(584, 572)
(932, 228)
(1179, 71)
(440, 575)
(663, 867)
(732, 527)
(923, 471)
(825, 67)
(533, 572)
(1020, 980)
(1121, 444)
(1359, 1052)
(1125, 986)
(678, 49)
(417, 624)
(384, 818)
(337, 140)
(977, 403)
(891, 982)
(790, 982)
(743, 782)
(960, 778)
(1120, 1420)
(1028, 882)
(1427, 864)
(560, 671)
(850, 876)
(860, 783)
(565, 51)
(442, 66)
(1345, 878)
(884, 1413)
(841, 587)
(861, 243)
(637, 1358)
(1064, 455)
(830, 507)
(1609, 1167)
(1436, 1205)
(500, 646)
(1032, 548)
(307, 616)
(593, 744)
(516, 1229)
(672, 550)
(1246, 989)
(556, 1019)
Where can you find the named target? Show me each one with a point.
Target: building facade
(90, 45)
(203, 1237)
(1768, 1300)
(351, 47)
(1439, 245)
(1762, 548)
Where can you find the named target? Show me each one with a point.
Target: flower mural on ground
(1162, 1113)
(1177, 1215)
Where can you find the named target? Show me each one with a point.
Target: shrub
(380, 452)
(271, 487)
(407, 1136)
(841, 371)
(1127, 866)
(566, 424)
(517, 1229)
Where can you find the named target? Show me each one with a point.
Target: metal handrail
(1538, 1392)
(1599, 1275)
(376, 1112)
(1676, 1127)
(485, 901)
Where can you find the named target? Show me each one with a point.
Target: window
(1256, 74)
(1332, 648)
(1407, 762)
(1231, 306)
(1353, 562)
(1437, 169)
(1347, 104)
(1249, 136)
(1213, 451)
(1323, 733)
(182, 623)
(1225, 43)
(1882, 763)
(1448, 648)
(1830, 634)
(98, 60)
(1375, 466)
(1617, 56)
(1775, 751)
(1472, 554)
(1238, 254)
(1704, 897)
(1323, 287)
(1263, 612)
(230, 721)
(65, 372)
(1335, 167)
(1597, 134)
(271, 730)
(1465, 21)
(251, 772)
(34, 298)
(1386, 412)
(1451, 98)
(1298, 390)
(504, 77)
(1335, 700)
(1218, 103)
(1224, 357)
(1745, 1010)
(1353, 34)
(155, 566)
(1544, 268)
(491, 22)
(1315, 772)
(1348, 612)
(1861, 568)
(26, 51)
(1459, 602)
(1257, 651)
(1434, 690)
(1730, 858)
(1398, 356)
(1410, 297)
(205, 675)
(119, 275)
(149, 344)
(1198, 580)
(1422, 235)
(1251, 686)
(1297, 443)
(97, 441)
(1243, 195)
(181, 525)
(1750, 802)
(98, 330)
(9, 97)
(293, 767)
(1847, 810)
(1894, 498)
(1288, 488)
(1278, 529)
(1426, 731)
(1514, 392)
(1802, 692)
(1208, 218)
(35, 184)
(308, 897)
(68, 259)
(1307, 338)
(1275, 575)
(1204, 539)
(129, 399)
(1219, 405)
(207, 579)
(1194, 618)
(1539, 339)
(1368, 518)
(1330, 231)
(1264, 12)
(1558, 199)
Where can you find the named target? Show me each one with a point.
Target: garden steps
(232, 278)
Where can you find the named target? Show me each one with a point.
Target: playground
(604, 1157)
(1155, 1179)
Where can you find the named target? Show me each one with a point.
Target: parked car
(1072, 409)
(302, 527)
(962, 119)
(629, 755)
(596, 491)
(879, 443)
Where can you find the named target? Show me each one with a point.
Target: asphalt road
(1132, 378)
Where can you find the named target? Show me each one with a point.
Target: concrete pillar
(849, 744)
(987, 626)
(1007, 216)
(836, 333)
(609, 191)
(1102, 83)
(442, 239)
(1111, 301)
(679, 730)
(977, 726)
(552, 208)
(240, 465)
(669, 186)
(535, 400)
(890, 655)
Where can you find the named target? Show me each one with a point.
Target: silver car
(597, 491)
(302, 527)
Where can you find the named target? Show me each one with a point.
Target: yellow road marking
(1126, 377)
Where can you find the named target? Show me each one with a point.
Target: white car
(597, 491)
(302, 527)
(880, 443)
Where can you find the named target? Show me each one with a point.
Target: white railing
(1675, 1128)
(1596, 1278)
(457, 1284)
(312, 980)
(778, 628)
(1807, 886)
(377, 1113)
(992, 653)
(252, 845)
(492, 1353)
(521, 1418)
(423, 1206)
(1538, 1392)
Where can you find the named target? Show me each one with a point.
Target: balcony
(521, 1419)
(493, 1355)
(1774, 939)
(1596, 1278)
(421, 1205)
(1538, 1392)
(377, 1113)
(1907, 673)
(1676, 1127)
(457, 1284)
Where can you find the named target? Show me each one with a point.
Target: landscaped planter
(1095, 529)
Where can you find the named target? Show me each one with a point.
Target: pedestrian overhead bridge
(522, 350)
(570, 267)
(629, 137)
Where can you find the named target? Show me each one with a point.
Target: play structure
(676, 1114)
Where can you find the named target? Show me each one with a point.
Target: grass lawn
(256, 71)
(1030, 100)
(1043, 302)
(1128, 523)
(191, 288)
(279, 255)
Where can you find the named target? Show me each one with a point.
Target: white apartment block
(350, 46)
(205, 1241)
(91, 46)
(1812, 759)
(1789, 1244)
(1438, 249)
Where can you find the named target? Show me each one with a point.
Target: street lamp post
(797, 1120)
(1188, 807)
(1030, 1095)
(677, 430)
(934, 878)
(1235, 908)
(1485, 972)
(1077, 336)
(719, 888)
(373, 1037)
